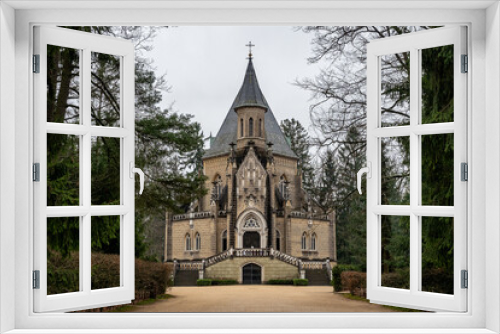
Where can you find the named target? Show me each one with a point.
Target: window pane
(437, 170)
(63, 261)
(105, 184)
(437, 84)
(63, 170)
(105, 252)
(437, 254)
(63, 85)
(395, 171)
(395, 251)
(106, 88)
(395, 89)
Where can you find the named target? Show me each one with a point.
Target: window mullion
(414, 169)
(86, 162)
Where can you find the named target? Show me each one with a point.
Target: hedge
(280, 281)
(224, 282)
(336, 272)
(300, 281)
(355, 282)
(151, 278)
(204, 282)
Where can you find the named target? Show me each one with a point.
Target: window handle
(365, 170)
(134, 171)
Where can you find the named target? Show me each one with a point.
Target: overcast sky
(205, 67)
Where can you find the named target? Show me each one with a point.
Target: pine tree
(300, 145)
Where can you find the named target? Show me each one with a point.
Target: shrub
(355, 282)
(336, 272)
(300, 281)
(399, 279)
(280, 281)
(151, 278)
(224, 282)
(204, 282)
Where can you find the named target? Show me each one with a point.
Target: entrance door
(252, 274)
(251, 240)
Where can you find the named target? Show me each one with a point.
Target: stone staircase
(186, 278)
(317, 276)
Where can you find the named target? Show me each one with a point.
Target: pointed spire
(250, 94)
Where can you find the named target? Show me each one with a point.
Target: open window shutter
(68, 278)
(412, 220)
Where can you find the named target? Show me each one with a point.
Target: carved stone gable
(251, 180)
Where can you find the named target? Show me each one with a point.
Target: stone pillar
(200, 273)
(167, 242)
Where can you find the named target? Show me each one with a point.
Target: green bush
(63, 274)
(280, 281)
(300, 281)
(337, 271)
(204, 282)
(398, 279)
(224, 282)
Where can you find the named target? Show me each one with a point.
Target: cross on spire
(250, 45)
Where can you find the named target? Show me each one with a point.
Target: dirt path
(257, 298)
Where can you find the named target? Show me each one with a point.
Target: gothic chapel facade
(256, 223)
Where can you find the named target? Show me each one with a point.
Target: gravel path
(257, 298)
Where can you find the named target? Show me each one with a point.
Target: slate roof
(250, 95)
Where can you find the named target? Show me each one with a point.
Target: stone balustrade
(192, 215)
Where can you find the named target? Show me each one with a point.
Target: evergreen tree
(300, 145)
(167, 143)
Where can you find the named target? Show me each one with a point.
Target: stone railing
(313, 264)
(254, 252)
(218, 258)
(306, 215)
(193, 215)
(286, 258)
(198, 265)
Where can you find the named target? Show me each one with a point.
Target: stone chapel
(256, 223)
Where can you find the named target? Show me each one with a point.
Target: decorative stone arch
(245, 223)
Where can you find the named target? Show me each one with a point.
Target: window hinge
(464, 171)
(465, 279)
(465, 64)
(36, 279)
(36, 63)
(36, 172)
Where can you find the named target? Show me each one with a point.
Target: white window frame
(85, 43)
(484, 103)
(413, 297)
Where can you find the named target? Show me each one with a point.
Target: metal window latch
(365, 170)
(36, 63)
(465, 64)
(36, 172)
(464, 171)
(465, 279)
(133, 171)
(36, 279)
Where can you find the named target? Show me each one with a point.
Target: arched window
(198, 241)
(224, 240)
(304, 240)
(260, 127)
(313, 241)
(188, 242)
(241, 128)
(278, 240)
(250, 127)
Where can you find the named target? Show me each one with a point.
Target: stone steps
(317, 277)
(186, 278)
